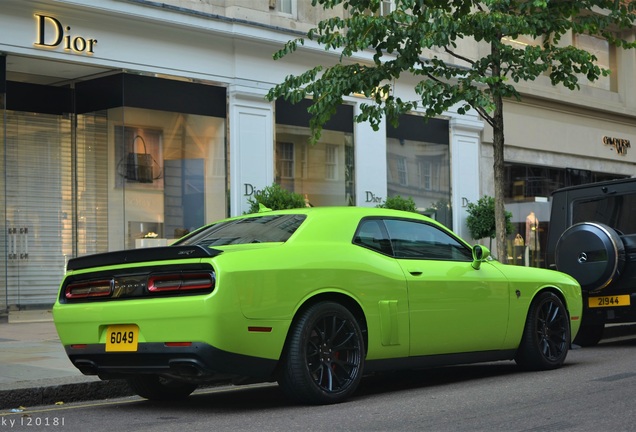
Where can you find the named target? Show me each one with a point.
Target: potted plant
(275, 197)
(481, 219)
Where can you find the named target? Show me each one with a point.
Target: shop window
(531, 182)
(184, 183)
(37, 204)
(418, 165)
(527, 192)
(164, 166)
(89, 173)
(322, 172)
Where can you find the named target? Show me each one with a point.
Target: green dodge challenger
(313, 298)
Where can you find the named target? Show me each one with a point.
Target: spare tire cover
(592, 253)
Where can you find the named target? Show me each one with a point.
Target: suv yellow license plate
(609, 301)
(122, 338)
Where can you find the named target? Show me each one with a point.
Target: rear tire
(546, 336)
(323, 361)
(154, 387)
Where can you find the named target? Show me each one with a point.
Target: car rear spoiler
(128, 256)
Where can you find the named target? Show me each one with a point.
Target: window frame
(387, 244)
(285, 159)
(607, 83)
(293, 7)
(331, 162)
(402, 170)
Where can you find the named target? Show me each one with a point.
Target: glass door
(38, 206)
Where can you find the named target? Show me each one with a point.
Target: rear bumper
(609, 315)
(198, 361)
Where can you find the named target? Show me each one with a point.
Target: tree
(400, 42)
(481, 219)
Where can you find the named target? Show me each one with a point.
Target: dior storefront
(125, 126)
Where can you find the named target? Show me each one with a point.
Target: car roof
(350, 211)
(595, 185)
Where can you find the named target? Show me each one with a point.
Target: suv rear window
(257, 229)
(616, 211)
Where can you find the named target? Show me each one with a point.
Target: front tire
(546, 336)
(323, 361)
(154, 387)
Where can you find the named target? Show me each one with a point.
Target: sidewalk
(34, 368)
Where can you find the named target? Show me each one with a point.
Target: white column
(251, 145)
(370, 163)
(465, 173)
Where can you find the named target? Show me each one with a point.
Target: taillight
(101, 288)
(181, 282)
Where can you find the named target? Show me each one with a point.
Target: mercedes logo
(582, 257)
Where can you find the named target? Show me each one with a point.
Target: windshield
(257, 229)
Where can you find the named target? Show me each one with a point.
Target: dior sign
(51, 34)
(370, 197)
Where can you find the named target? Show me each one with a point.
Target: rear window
(617, 211)
(257, 229)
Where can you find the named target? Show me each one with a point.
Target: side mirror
(480, 254)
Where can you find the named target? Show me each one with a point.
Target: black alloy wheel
(324, 356)
(546, 336)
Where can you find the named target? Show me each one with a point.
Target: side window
(371, 234)
(616, 211)
(420, 240)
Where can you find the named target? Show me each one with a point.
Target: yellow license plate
(608, 301)
(122, 338)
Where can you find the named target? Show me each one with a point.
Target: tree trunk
(498, 155)
(498, 168)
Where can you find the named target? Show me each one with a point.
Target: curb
(73, 392)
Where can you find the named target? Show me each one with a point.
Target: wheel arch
(556, 291)
(337, 297)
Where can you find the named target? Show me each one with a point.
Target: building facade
(127, 123)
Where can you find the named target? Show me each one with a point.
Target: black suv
(592, 237)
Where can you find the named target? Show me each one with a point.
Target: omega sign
(619, 144)
(52, 34)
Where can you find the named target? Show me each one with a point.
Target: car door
(453, 308)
